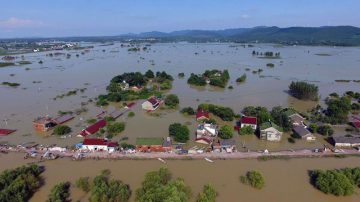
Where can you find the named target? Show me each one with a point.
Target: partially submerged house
(295, 118)
(202, 115)
(303, 133)
(270, 131)
(205, 133)
(151, 103)
(343, 141)
(46, 123)
(4, 131)
(94, 144)
(153, 144)
(354, 121)
(248, 121)
(93, 128)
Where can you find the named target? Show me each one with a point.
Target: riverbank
(81, 154)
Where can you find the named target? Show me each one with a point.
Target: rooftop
(95, 141)
(301, 131)
(343, 139)
(248, 120)
(268, 124)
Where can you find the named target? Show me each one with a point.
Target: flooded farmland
(285, 180)
(57, 75)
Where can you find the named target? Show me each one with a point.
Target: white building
(270, 132)
(93, 144)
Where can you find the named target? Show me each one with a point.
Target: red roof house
(201, 114)
(4, 132)
(93, 128)
(95, 144)
(248, 121)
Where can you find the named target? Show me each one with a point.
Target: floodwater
(93, 70)
(285, 180)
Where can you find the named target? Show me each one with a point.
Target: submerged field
(56, 76)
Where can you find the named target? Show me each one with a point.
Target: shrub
(188, 111)
(171, 100)
(62, 130)
(59, 192)
(325, 130)
(241, 78)
(208, 194)
(246, 130)
(83, 184)
(254, 179)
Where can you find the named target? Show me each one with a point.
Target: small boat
(162, 160)
(209, 160)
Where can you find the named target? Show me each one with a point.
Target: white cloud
(245, 16)
(13, 23)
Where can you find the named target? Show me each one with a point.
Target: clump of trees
(104, 189)
(216, 78)
(114, 128)
(338, 110)
(280, 118)
(254, 179)
(226, 132)
(196, 80)
(208, 194)
(159, 186)
(325, 130)
(180, 132)
(172, 100)
(268, 54)
(60, 192)
(225, 113)
(337, 182)
(188, 111)
(303, 90)
(20, 183)
(241, 79)
(62, 130)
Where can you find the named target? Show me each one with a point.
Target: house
(117, 113)
(124, 85)
(43, 124)
(227, 146)
(4, 132)
(206, 129)
(248, 121)
(93, 128)
(295, 118)
(303, 133)
(94, 144)
(46, 123)
(202, 115)
(270, 131)
(153, 144)
(355, 121)
(343, 141)
(151, 104)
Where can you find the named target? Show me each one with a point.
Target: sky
(48, 18)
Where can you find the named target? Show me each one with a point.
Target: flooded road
(93, 70)
(285, 180)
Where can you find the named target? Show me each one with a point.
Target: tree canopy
(179, 132)
(254, 179)
(208, 194)
(171, 100)
(225, 113)
(226, 132)
(303, 90)
(59, 193)
(159, 186)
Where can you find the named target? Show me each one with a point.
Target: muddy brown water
(286, 180)
(94, 69)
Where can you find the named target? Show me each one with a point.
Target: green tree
(280, 118)
(171, 100)
(254, 179)
(208, 194)
(59, 193)
(188, 111)
(180, 132)
(62, 130)
(83, 184)
(246, 130)
(149, 74)
(325, 130)
(303, 90)
(332, 182)
(225, 132)
(261, 113)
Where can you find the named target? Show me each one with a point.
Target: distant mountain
(329, 35)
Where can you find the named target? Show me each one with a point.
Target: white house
(93, 144)
(151, 104)
(270, 132)
(206, 129)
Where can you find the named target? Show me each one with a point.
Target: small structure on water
(47, 123)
